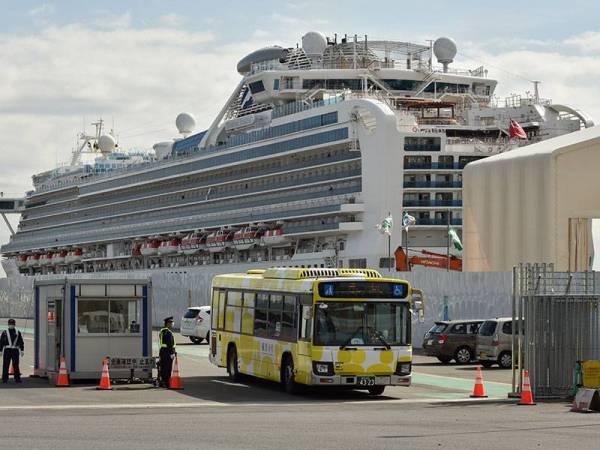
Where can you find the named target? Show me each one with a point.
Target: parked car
(494, 342)
(195, 324)
(452, 340)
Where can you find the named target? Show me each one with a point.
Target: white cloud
(111, 21)
(42, 10)
(586, 42)
(172, 20)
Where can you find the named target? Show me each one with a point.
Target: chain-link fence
(16, 297)
(560, 325)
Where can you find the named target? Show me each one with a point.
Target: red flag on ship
(515, 130)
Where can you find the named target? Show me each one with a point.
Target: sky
(137, 64)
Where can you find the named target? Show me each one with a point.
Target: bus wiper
(379, 336)
(342, 347)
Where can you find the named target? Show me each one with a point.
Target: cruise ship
(316, 145)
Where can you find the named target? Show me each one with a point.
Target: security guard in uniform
(11, 346)
(166, 341)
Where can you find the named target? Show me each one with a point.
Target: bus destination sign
(363, 289)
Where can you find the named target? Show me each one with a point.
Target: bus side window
(221, 315)
(306, 323)
(248, 313)
(275, 306)
(214, 309)
(289, 322)
(260, 314)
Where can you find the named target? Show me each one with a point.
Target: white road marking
(230, 384)
(460, 379)
(250, 404)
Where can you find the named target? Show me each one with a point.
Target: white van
(195, 324)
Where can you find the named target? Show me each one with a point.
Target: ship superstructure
(314, 147)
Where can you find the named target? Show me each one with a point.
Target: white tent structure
(533, 205)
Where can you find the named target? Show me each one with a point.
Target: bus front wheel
(376, 390)
(232, 365)
(288, 377)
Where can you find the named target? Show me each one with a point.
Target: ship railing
(201, 194)
(192, 222)
(275, 201)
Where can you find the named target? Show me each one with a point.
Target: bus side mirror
(418, 304)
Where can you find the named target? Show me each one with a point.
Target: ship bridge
(11, 205)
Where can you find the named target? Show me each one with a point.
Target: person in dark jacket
(12, 346)
(167, 344)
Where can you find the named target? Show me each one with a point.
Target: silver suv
(494, 342)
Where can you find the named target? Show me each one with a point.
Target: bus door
(218, 322)
(305, 333)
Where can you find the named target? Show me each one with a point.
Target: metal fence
(560, 325)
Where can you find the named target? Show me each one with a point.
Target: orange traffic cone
(175, 380)
(105, 379)
(63, 376)
(526, 394)
(479, 389)
(11, 370)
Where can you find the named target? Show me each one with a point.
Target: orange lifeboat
(246, 238)
(33, 260)
(169, 247)
(46, 259)
(275, 236)
(150, 247)
(193, 243)
(73, 256)
(21, 261)
(59, 257)
(219, 240)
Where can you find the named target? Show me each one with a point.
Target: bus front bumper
(361, 381)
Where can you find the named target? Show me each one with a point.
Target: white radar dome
(106, 143)
(444, 50)
(163, 149)
(185, 123)
(314, 43)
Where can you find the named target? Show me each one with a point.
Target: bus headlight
(322, 368)
(403, 368)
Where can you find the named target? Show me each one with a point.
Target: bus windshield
(373, 323)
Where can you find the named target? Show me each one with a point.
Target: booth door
(54, 334)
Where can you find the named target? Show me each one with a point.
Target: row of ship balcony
(284, 209)
(433, 184)
(432, 203)
(438, 222)
(198, 195)
(435, 166)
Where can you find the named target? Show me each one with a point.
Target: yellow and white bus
(345, 327)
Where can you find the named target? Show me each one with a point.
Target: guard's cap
(12, 322)
(168, 319)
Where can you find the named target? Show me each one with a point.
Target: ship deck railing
(285, 209)
(200, 195)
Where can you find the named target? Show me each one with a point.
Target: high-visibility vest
(12, 344)
(160, 338)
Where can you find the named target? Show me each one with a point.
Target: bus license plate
(365, 381)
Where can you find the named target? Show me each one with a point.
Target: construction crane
(426, 258)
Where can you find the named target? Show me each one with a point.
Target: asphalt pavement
(212, 412)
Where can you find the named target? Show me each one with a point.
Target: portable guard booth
(88, 320)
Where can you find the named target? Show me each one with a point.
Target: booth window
(108, 316)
